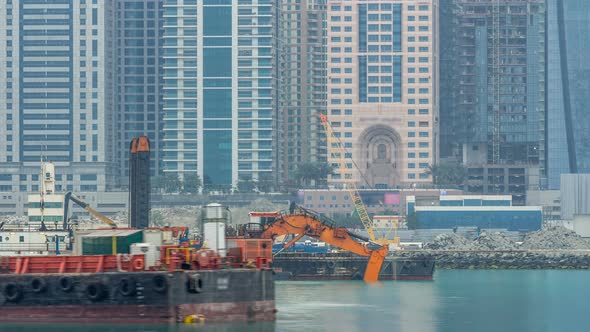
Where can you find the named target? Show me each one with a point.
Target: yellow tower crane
(337, 152)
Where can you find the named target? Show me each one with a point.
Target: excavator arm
(311, 225)
(71, 197)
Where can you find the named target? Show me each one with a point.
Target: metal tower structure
(495, 80)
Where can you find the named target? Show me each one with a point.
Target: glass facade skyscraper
(219, 92)
(57, 103)
(568, 101)
(138, 102)
(219, 78)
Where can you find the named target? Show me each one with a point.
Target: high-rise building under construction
(493, 91)
(302, 66)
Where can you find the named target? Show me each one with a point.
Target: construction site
(493, 109)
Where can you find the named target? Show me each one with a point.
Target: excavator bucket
(374, 265)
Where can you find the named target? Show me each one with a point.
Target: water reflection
(356, 306)
(247, 327)
(455, 301)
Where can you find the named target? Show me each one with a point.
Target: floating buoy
(194, 319)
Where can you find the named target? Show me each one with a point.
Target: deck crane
(71, 197)
(306, 223)
(339, 156)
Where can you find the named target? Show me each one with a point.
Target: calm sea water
(457, 300)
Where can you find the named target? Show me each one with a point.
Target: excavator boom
(306, 223)
(71, 197)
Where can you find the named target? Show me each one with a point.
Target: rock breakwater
(516, 259)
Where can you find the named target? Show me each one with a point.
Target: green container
(101, 242)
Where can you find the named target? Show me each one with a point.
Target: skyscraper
(383, 90)
(57, 93)
(138, 102)
(493, 56)
(302, 65)
(568, 79)
(219, 76)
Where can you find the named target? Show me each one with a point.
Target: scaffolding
(495, 78)
(499, 51)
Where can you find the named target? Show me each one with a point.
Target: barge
(343, 266)
(129, 275)
(119, 289)
(350, 263)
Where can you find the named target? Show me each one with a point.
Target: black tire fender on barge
(12, 292)
(66, 284)
(95, 291)
(160, 283)
(127, 286)
(38, 285)
(195, 283)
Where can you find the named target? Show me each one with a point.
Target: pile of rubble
(551, 238)
(12, 219)
(449, 241)
(493, 241)
(554, 238)
(175, 216)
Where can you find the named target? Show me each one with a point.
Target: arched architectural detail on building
(380, 149)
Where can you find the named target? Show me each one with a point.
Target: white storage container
(214, 236)
(153, 236)
(151, 252)
(214, 211)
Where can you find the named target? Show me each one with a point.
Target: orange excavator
(304, 222)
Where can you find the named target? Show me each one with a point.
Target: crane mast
(335, 143)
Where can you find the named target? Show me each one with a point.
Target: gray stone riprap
(554, 238)
(449, 241)
(517, 259)
(549, 248)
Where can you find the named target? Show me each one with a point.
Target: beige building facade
(383, 90)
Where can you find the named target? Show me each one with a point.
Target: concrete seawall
(513, 259)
